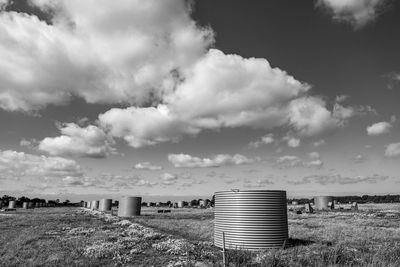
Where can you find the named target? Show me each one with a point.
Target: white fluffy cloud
(289, 161)
(168, 178)
(188, 161)
(379, 128)
(292, 141)
(147, 166)
(264, 140)
(356, 12)
(90, 141)
(15, 165)
(154, 57)
(309, 115)
(102, 51)
(392, 150)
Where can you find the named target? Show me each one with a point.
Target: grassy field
(78, 237)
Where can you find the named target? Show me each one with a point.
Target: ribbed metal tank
(94, 205)
(105, 204)
(322, 202)
(129, 206)
(25, 205)
(251, 219)
(12, 204)
(180, 204)
(89, 204)
(31, 205)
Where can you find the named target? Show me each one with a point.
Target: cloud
(188, 161)
(338, 179)
(292, 141)
(289, 161)
(379, 128)
(318, 143)
(168, 178)
(355, 12)
(15, 165)
(392, 150)
(90, 141)
(359, 159)
(309, 116)
(264, 140)
(155, 61)
(393, 80)
(125, 52)
(147, 166)
(260, 183)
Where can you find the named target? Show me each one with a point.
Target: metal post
(223, 250)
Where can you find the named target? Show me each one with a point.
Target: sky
(176, 99)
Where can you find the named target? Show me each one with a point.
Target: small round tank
(31, 205)
(12, 204)
(323, 202)
(95, 205)
(129, 206)
(105, 204)
(25, 205)
(180, 204)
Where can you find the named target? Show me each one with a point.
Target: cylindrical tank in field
(180, 204)
(12, 204)
(322, 202)
(95, 205)
(25, 205)
(105, 204)
(129, 206)
(251, 219)
(31, 205)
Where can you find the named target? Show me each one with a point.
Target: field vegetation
(184, 237)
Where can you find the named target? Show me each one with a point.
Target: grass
(74, 237)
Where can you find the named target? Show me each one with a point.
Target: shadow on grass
(294, 242)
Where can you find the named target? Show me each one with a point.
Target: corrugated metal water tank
(251, 219)
(322, 202)
(25, 205)
(129, 206)
(12, 204)
(105, 204)
(94, 205)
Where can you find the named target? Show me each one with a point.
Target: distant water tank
(105, 204)
(89, 204)
(129, 206)
(31, 205)
(95, 205)
(251, 219)
(180, 204)
(25, 205)
(295, 203)
(12, 204)
(323, 202)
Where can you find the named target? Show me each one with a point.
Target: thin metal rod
(223, 250)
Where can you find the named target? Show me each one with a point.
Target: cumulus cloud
(188, 161)
(359, 159)
(90, 141)
(309, 116)
(338, 179)
(124, 52)
(392, 150)
(260, 183)
(292, 141)
(15, 165)
(156, 59)
(168, 178)
(379, 128)
(356, 12)
(290, 161)
(147, 166)
(264, 140)
(318, 143)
